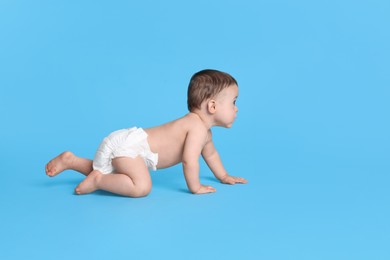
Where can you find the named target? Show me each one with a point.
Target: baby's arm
(192, 149)
(213, 160)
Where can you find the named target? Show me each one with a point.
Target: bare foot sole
(89, 184)
(59, 164)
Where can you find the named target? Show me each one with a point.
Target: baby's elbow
(210, 157)
(190, 163)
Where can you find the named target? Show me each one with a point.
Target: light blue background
(312, 135)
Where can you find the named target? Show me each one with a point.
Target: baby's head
(205, 85)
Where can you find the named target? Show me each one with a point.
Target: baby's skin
(183, 140)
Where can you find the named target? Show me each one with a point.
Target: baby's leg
(131, 178)
(68, 161)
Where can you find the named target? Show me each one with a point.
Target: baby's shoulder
(193, 121)
(196, 127)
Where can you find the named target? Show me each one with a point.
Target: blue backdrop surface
(312, 134)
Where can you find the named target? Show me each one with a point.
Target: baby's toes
(50, 170)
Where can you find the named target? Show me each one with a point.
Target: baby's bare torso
(168, 139)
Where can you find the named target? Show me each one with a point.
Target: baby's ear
(211, 106)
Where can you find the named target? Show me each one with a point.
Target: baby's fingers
(240, 180)
(210, 189)
(206, 189)
(234, 180)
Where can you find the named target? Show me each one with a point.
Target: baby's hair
(207, 84)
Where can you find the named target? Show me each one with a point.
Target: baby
(122, 161)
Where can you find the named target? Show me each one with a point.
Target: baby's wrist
(223, 177)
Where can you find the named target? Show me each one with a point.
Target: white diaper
(130, 142)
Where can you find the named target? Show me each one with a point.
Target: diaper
(130, 142)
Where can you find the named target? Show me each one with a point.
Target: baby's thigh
(135, 168)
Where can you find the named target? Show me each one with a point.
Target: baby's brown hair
(206, 84)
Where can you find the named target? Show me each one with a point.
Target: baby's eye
(234, 102)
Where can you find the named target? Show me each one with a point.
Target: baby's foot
(89, 184)
(59, 164)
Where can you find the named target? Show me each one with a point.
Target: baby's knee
(142, 190)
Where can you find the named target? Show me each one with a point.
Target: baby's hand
(233, 180)
(205, 189)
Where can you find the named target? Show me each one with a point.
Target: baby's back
(168, 139)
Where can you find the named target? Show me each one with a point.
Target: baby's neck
(206, 119)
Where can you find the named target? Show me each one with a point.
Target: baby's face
(226, 109)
